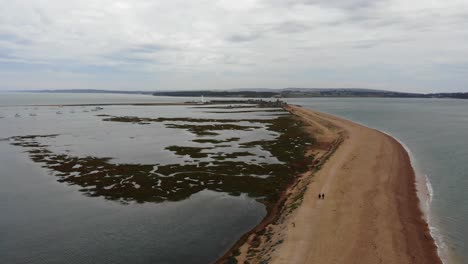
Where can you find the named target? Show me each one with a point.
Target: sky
(400, 45)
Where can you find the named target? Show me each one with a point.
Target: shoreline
(381, 221)
(424, 193)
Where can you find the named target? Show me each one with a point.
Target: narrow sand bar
(370, 213)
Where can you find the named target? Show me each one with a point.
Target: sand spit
(370, 213)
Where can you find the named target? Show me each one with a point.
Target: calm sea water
(436, 132)
(14, 99)
(46, 221)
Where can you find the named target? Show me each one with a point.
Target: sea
(46, 221)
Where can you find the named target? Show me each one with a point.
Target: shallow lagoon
(48, 221)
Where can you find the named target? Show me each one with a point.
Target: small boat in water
(97, 109)
(32, 114)
(17, 115)
(59, 113)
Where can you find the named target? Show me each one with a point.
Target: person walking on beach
(320, 196)
(323, 196)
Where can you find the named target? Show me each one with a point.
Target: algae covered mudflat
(220, 155)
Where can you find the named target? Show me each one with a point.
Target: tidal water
(43, 220)
(15, 99)
(436, 133)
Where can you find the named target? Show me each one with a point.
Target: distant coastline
(312, 93)
(273, 93)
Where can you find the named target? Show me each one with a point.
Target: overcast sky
(403, 45)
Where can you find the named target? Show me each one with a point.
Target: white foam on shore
(425, 193)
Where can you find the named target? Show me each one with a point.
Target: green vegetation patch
(97, 176)
(193, 152)
(215, 141)
(208, 130)
(135, 119)
(227, 106)
(233, 155)
(208, 127)
(249, 111)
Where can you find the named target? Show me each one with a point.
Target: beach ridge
(370, 213)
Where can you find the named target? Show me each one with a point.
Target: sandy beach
(370, 213)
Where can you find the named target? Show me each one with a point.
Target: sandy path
(370, 213)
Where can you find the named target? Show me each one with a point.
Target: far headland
(272, 93)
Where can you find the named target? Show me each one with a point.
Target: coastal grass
(98, 176)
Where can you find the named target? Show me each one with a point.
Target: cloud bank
(417, 46)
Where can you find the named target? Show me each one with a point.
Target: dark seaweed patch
(197, 129)
(249, 111)
(226, 107)
(233, 155)
(215, 141)
(173, 182)
(208, 130)
(135, 119)
(193, 152)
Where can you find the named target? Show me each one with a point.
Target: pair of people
(321, 196)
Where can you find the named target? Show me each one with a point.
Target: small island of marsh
(258, 156)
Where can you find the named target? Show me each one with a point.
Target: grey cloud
(368, 20)
(363, 13)
(346, 4)
(341, 4)
(233, 60)
(244, 37)
(454, 67)
(137, 54)
(278, 37)
(11, 38)
(122, 58)
(262, 30)
(367, 44)
(42, 16)
(5, 54)
(291, 27)
(149, 48)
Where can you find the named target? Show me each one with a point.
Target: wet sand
(370, 213)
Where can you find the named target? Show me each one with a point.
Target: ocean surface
(46, 221)
(436, 133)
